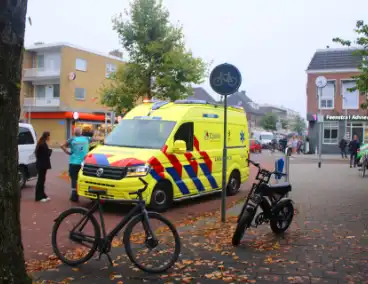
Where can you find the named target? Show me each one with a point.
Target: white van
(27, 141)
(264, 137)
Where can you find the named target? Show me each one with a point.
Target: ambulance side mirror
(180, 147)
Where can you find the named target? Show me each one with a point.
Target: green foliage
(298, 125)
(159, 65)
(284, 123)
(361, 41)
(269, 121)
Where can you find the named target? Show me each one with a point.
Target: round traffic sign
(225, 79)
(321, 81)
(75, 115)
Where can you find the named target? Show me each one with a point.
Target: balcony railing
(40, 73)
(44, 102)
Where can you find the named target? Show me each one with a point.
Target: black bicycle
(277, 209)
(91, 241)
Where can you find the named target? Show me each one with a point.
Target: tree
(361, 41)
(159, 65)
(12, 26)
(269, 121)
(298, 124)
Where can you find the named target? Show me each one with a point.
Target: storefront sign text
(353, 117)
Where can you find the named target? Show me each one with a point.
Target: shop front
(334, 128)
(62, 124)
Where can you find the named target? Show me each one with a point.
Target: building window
(330, 132)
(40, 91)
(327, 98)
(80, 94)
(40, 61)
(81, 64)
(110, 68)
(350, 100)
(56, 91)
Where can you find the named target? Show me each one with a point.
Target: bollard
(279, 167)
(287, 164)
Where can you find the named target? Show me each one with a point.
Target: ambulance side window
(186, 133)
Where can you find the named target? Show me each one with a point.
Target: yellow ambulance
(176, 147)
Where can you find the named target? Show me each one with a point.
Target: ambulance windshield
(140, 133)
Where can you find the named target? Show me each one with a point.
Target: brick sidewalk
(327, 243)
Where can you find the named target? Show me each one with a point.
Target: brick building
(340, 108)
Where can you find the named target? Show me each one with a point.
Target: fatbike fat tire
(59, 220)
(128, 245)
(245, 219)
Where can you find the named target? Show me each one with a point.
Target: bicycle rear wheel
(162, 233)
(77, 251)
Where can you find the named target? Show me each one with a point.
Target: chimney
(116, 53)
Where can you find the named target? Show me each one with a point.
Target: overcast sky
(270, 41)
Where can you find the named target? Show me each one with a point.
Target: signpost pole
(225, 79)
(224, 165)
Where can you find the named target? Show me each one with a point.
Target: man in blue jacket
(79, 148)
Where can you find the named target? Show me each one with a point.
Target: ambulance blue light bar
(157, 105)
(148, 117)
(200, 102)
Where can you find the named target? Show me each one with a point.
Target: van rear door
(26, 146)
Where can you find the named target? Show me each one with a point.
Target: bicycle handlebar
(139, 191)
(256, 164)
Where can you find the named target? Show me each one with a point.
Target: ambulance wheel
(162, 197)
(234, 183)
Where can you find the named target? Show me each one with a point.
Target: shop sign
(354, 117)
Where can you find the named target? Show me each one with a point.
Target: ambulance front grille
(104, 172)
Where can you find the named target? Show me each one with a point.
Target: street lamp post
(321, 82)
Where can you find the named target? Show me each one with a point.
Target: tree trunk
(12, 25)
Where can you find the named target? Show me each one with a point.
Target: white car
(27, 141)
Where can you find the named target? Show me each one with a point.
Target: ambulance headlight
(82, 165)
(138, 171)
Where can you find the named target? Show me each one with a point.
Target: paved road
(327, 243)
(37, 218)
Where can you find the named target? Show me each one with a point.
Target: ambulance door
(188, 160)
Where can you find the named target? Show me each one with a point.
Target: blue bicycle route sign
(225, 79)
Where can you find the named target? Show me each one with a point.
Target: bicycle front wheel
(75, 236)
(152, 259)
(243, 223)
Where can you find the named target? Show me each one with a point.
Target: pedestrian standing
(342, 145)
(294, 144)
(79, 147)
(43, 164)
(354, 146)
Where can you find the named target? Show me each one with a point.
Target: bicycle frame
(139, 208)
(266, 202)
